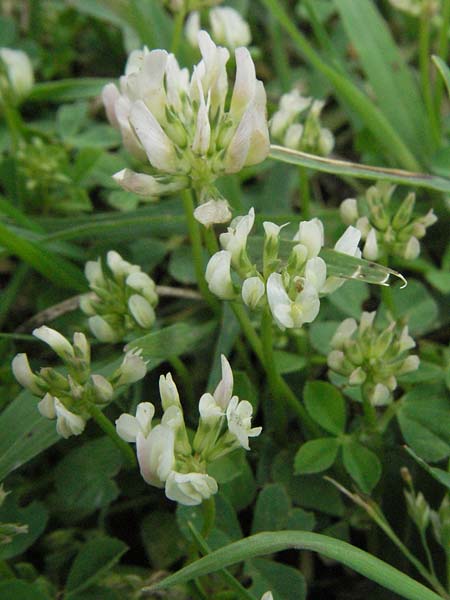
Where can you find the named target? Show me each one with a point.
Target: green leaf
(285, 582)
(71, 118)
(443, 70)
(272, 509)
(67, 90)
(16, 589)
(92, 562)
(391, 80)
(301, 519)
(226, 518)
(173, 340)
(316, 456)
(326, 405)
(362, 465)
(34, 515)
(83, 478)
(350, 298)
(288, 362)
(241, 490)
(343, 168)
(181, 266)
(24, 433)
(320, 335)
(269, 543)
(52, 266)
(424, 419)
(417, 306)
(438, 474)
(161, 538)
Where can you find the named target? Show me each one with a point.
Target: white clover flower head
(292, 313)
(190, 489)
(239, 417)
(132, 369)
(253, 290)
(218, 275)
(349, 211)
(19, 71)
(310, 234)
(213, 212)
(67, 423)
(168, 392)
(57, 342)
(229, 27)
(183, 124)
(22, 372)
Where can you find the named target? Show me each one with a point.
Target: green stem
(227, 577)
(424, 65)
(105, 424)
(197, 253)
(426, 547)
(248, 330)
(209, 515)
(177, 31)
(305, 196)
(442, 52)
(387, 417)
(370, 414)
(371, 115)
(278, 413)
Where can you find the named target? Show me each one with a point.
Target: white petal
(23, 373)
(348, 242)
(141, 310)
(168, 392)
(218, 275)
(278, 298)
(157, 144)
(127, 427)
(110, 94)
(55, 340)
(147, 185)
(224, 389)
(245, 83)
(155, 454)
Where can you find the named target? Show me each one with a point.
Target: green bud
(404, 212)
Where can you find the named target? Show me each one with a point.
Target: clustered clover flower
(67, 397)
(292, 288)
(228, 27)
(123, 298)
(307, 135)
(16, 75)
(167, 459)
(385, 231)
(371, 358)
(184, 125)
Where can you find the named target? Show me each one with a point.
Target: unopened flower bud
(213, 212)
(349, 211)
(132, 369)
(141, 310)
(370, 251)
(19, 72)
(357, 377)
(412, 249)
(56, 341)
(24, 375)
(103, 389)
(218, 275)
(102, 330)
(253, 290)
(168, 392)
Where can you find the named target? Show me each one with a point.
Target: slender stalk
(177, 31)
(197, 253)
(105, 424)
(248, 330)
(227, 577)
(426, 547)
(370, 414)
(425, 75)
(442, 52)
(305, 196)
(279, 55)
(279, 413)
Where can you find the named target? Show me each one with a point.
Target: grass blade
(268, 543)
(395, 89)
(443, 70)
(349, 169)
(67, 90)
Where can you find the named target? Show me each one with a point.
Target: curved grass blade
(270, 542)
(67, 90)
(443, 70)
(438, 474)
(338, 264)
(349, 169)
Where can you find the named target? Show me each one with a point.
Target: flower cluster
(166, 456)
(122, 301)
(371, 358)
(185, 126)
(385, 231)
(307, 135)
(228, 27)
(67, 397)
(16, 74)
(291, 288)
